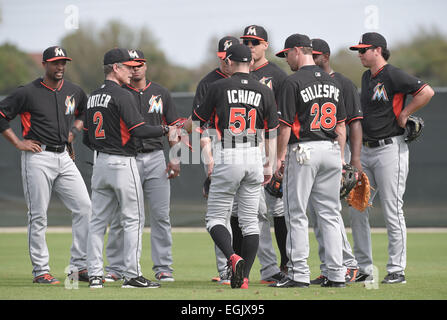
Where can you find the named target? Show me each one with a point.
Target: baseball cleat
(275, 278)
(215, 279)
(46, 278)
(140, 282)
(351, 274)
(82, 275)
(394, 278)
(289, 283)
(319, 280)
(237, 271)
(225, 277)
(165, 277)
(363, 277)
(111, 277)
(96, 282)
(333, 284)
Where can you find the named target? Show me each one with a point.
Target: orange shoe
(46, 278)
(245, 284)
(237, 269)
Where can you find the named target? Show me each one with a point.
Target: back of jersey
(111, 114)
(242, 107)
(311, 102)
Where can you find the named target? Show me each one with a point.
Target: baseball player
(384, 156)
(112, 121)
(47, 108)
(222, 72)
(241, 106)
(310, 144)
(321, 55)
(268, 73)
(156, 106)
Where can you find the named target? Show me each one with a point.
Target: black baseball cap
(255, 32)
(120, 55)
(137, 55)
(295, 40)
(224, 44)
(319, 46)
(370, 39)
(55, 53)
(239, 52)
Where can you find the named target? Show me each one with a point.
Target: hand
(173, 170)
(280, 165)
(29, 145)
(70, 137)
(267, 178)
(173, 134)
(357, 164)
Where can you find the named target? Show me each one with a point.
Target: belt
(147, 150)
(377, 143)
(58, 149)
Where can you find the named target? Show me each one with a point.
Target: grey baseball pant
(387, 169)
(316, 181)
(43, 173)
(116, 186)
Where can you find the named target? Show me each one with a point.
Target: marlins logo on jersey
(268, 81)
(379, 92)
(70, 104)
(156, 104)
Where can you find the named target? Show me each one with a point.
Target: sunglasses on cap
(254, 42)
(363, 50)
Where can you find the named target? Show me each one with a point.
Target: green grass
(194, 265)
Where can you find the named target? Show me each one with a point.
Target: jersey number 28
(324, 117)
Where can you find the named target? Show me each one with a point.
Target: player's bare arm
(419, 101)
(270, 152)
(282, 141)
(340, 130)
(355, 139)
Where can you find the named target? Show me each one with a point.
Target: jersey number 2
(98, 120)
(324, 119)
(239, 118)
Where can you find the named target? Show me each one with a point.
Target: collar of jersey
(261, 66)
(378, 71)
(58, 88)
(144, 89)
(241, 74)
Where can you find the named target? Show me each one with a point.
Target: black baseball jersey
(383, 98)
(351, 97)
(271, 75)
(311, 103)
(240, 106)
(47, 114)
(204, 84)
(157, 108)
(111, 114)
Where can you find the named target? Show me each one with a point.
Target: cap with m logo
(137, 55)
(255, 32)
(55, 53)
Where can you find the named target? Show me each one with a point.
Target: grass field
(194, 265)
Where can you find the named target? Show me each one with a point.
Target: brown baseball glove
(358, 198)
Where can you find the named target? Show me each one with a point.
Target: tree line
(424, 56)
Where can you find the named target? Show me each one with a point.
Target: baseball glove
(71, 151)
(413, 129)
(274, 187)
(348, 180)
(358, 198)
(206, 187)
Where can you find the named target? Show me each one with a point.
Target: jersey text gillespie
(320, 91)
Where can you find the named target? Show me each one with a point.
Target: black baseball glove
(348, 180)
(413, 129)
(274, 187)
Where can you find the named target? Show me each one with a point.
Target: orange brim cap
(59, 58)
(360, 46)
(132, 63)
